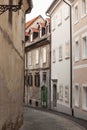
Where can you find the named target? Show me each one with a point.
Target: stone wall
(11, 72)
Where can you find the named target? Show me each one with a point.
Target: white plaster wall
(60, 70)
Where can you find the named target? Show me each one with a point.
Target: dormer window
(43, 31)
(35, 35)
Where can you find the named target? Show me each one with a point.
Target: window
(83, 7)
(43, 31)
(35, 35)
(84, 97)
(66, 11)
(67, 48)
(10, 12)
(53, 23)
(37, 80)
(61, 92)
(31, 37)
(76, 13)
(28, 58)
(30, 80)
(44, 76)
(67, 94)
(84, 47)
(44, 55)
(59, 18)
(54, 56)
(76, 96)
(60, 53)
(25, 61)
(37, 56)
(76, 50)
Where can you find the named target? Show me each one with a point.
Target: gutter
(50, 65)
(27, 11)
(70, 55)
(30, 6)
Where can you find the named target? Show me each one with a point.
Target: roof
(55, 2)
(30, 22)
(48, 19)
(35, 30)
(42, 24)
(26, 33)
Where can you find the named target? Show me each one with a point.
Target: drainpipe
(50, 67)
(70, 55)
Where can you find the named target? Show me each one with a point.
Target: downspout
(70, 55)
(27, 11)
(50, 67)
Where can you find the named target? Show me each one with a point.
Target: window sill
(44, 62)
(76, 59)
(59, 24)
(83, 16)
(84, 58)
(37, 64)
(54, 61)
(67, 57)
(76, 22)
(60, 59)
(76, 105)
(66, 17)
(84, 108)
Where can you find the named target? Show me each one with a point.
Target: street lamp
(4, 8)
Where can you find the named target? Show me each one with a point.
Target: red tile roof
(30, 22)
(35, 30)
(42, 24)
(26, 33)
(48, 19)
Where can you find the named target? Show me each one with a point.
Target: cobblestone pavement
(40, 120)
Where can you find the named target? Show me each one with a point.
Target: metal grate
(4, 8)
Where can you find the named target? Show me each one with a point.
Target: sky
(39, 8)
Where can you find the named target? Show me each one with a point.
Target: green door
(44, 96)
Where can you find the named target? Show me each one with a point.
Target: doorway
(54, 95)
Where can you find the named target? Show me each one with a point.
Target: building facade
(37, 62)
(79, 16)
(59, 12)
(12, 65)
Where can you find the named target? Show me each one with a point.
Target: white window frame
(44, 54)
(54, 55)
(67, 12)
(84, 99)
(53, 23)
(84, 53)
(82, 11)
(76, 57)
(67, 52)
(40, 32)
(31, 37)
(76, 19)
(60, 54)
(67, 94)
(59, 17)
(29, 60)
(37, 57)
(25, 60)
(76, 95)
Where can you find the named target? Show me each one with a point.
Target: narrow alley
(40, 120)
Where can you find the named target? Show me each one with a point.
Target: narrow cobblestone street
(40, 120)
